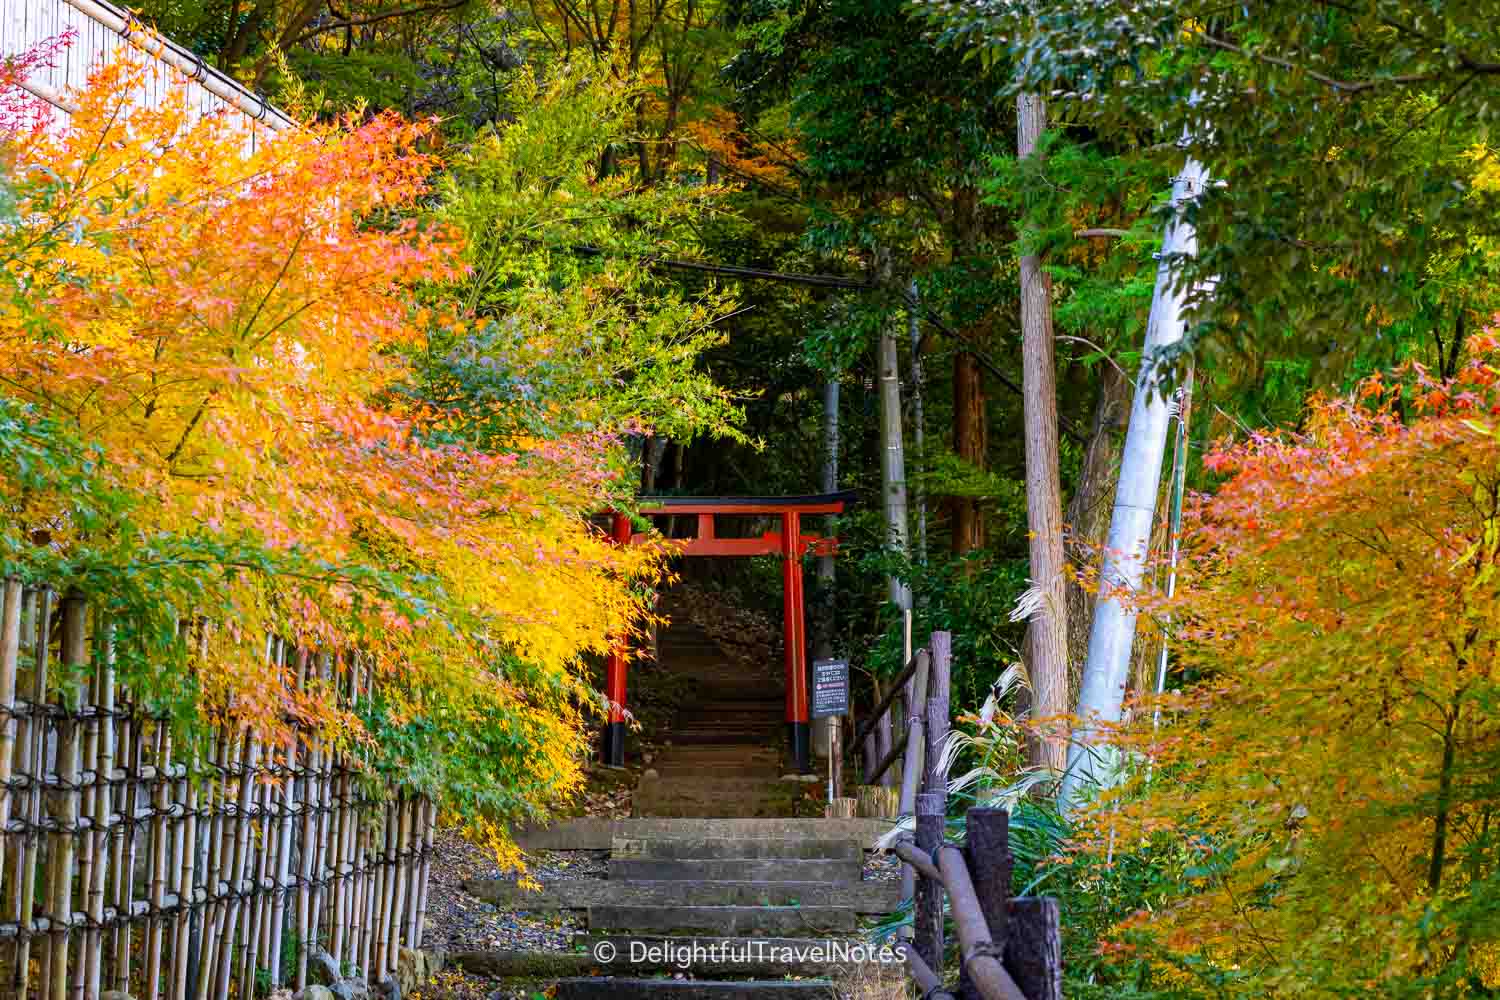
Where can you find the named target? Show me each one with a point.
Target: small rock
(115, 995)
(389, 988)
(324, 968)
(412, 969)
(350, 989)
(316, 993)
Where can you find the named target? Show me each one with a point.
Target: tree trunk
(824, 647)
(892, 453)
(918, 417)
(1112, 632)
(1087, 515)
(1048, 666)
(970, 443)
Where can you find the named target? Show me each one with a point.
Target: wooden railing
(1011, 949)
(129, 863)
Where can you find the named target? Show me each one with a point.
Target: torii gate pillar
(614, 670)
(794, 631)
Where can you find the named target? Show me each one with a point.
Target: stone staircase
(715, 889)
(722, 755)
(738, 905)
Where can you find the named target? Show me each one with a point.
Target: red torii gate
(792, 545)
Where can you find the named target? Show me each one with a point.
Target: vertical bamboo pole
(187, 851)
(60, 863)
(322, 816)
(425, 869)
(135, 793)
(304, 848)
(213, 871)
(157, 847)
(239, 860)
(17, 973)
(104, 702)
(84, 839)
(10, 657)
(340, 914)
(361, 928)
(382, 886)
(403, 841)
(37, 765)
(119, 935)
(283, 861)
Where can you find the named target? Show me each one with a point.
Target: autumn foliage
(1327, 786)
(223, 333)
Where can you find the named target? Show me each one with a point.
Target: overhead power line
(834, 281)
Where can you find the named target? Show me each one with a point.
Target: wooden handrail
(867, 727)
(890, 758)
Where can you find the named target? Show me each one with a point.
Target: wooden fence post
(928, 903)
(1033, 948)
(987, 854)
(935, 778)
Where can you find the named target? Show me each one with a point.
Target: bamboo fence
(128, 863)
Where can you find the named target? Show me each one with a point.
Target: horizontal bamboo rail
(130, 862)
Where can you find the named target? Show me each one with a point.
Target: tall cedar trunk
(1048, 666)
(1088, 509)
(970, 443)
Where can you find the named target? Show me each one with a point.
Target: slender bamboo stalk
(380, 923)
(321, 825)
(283, 862)
(104, 701)
(340, 915)
(10, 657)
(187, 851)
(68, 798)
(17, 973)
(238, 863)
(305, 858)
(88, 773)
(125, 900)
(429, 828)
(36, 763)
(403, 842)
(157, 846)
(213, 872)
(365, 886)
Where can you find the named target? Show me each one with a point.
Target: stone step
(741, 957)
(689, 848)
(728, 769)
(615, 988)
(845, 871)
(872, 897)
(712, 737)
(597, 834)
(779, 921)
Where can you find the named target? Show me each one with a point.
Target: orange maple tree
(1323, 793)
(223, 327)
